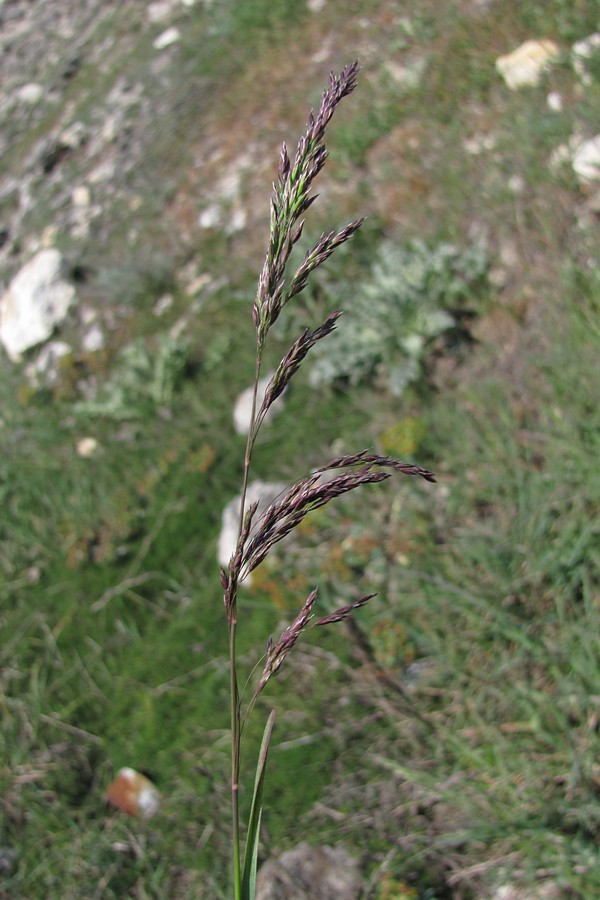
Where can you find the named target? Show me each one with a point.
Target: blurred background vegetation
(449, 737)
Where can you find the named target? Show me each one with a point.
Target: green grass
(502, 605)
(113, 648)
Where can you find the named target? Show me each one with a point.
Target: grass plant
(291, 199)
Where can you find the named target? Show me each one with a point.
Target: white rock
(44, 368)
(93, 339)
(313, 872)
(73, 136)
(109, 130)
(265, 492)
(407, 75)
(237, 220)
(104, 171)
(242, 410)
(30, 93)
(316, 5)
(479, 143)
(229, 184)
(37, 300)
(80, 196)
(210, 217)
(516, 184)
(586, 160)
(225, 209)
(159, 11)
(582, 52)
(197, 283)
(86, 447)
(163, 304)
(168, 37)
(554, 101)
(525, 65)
(88, 315)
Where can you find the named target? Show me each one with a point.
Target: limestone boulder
(37, 300)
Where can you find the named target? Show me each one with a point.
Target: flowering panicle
(291, 199)
(230, 577)
(312, 492)
(372, 459)
(340, 614)
(320, 252)
(276, 653)
(290, 363)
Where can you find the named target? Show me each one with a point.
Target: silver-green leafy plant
(410, 298)
(257, 535)
(144, 380)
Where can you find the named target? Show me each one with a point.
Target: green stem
(234, 697)
(251, 437)
(235, 764)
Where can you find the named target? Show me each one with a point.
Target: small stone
(93, 339)
(73, 136)
(310, 873)
(121, 847)
(80, 196)
(134, 794)
(582, 52)
(195, 285)
(104, 171)
(88, 315)
(237, 221)
(30, 93)
(525, 65)
(516, 184)
(109, 130)
(168, 37)
(586, 160)
(163, 304)
(44, 369)
(210, 217)
(86, 447)
(160, 11)
(479, 143)
(554, 101)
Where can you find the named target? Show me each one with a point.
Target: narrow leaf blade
(251, 854)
